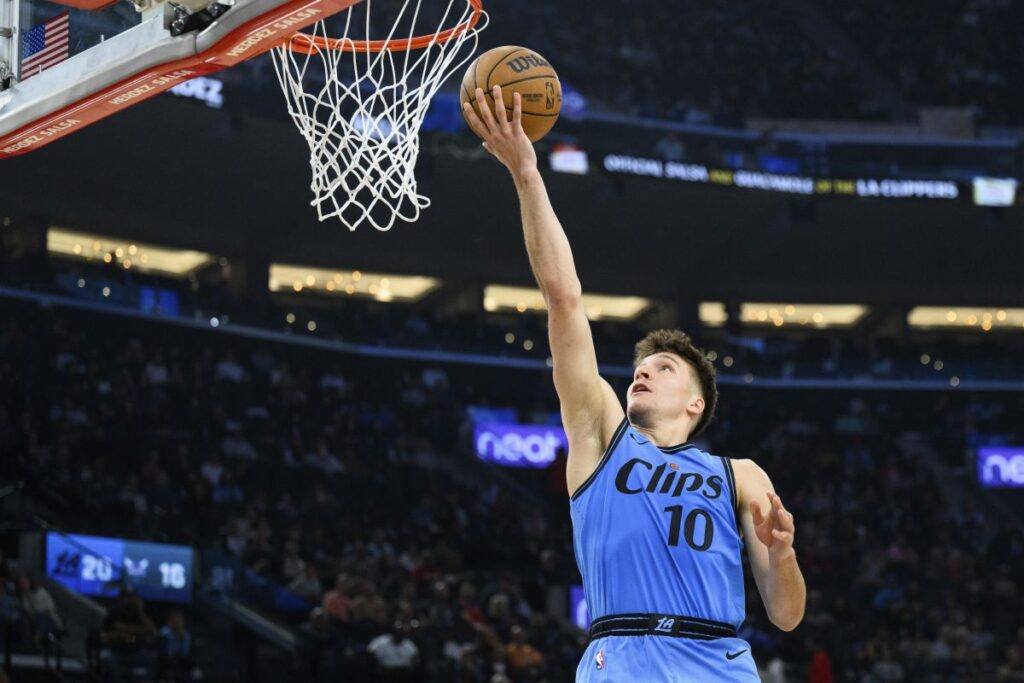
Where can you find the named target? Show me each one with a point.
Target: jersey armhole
(730, 477)
(616, 437)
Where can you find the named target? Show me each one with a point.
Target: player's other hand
(774, 528)
(503, 137)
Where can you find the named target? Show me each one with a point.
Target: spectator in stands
(212, 470)
(292, 564)
(127, 638)
(525, 662)
(396, 655)
(368, 606)
(10, 614)
(307, 584)
(336, 602)
(175, 660)
(39, 609)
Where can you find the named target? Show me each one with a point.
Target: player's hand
(503, 137)
(775, 528)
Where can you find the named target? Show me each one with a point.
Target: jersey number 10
(690, 527)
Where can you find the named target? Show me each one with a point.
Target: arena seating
(347, 482)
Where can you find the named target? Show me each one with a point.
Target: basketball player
(658, 524)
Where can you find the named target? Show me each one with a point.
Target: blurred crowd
(347, 484)
(28, 614)
(723, 62)
(959, 53)
(700, 62)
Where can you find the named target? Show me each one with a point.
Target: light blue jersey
(656, 536)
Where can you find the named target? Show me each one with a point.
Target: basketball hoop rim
(307, 44)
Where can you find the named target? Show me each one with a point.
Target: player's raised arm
(769, 530)
(590, 409)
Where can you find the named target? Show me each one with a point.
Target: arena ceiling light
(966, 317)
(145, 258)
(712, 314)
(530, 300)
(384, 287)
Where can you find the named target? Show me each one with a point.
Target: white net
(360, 110)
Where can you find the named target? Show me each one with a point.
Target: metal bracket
(184, 22)
(6, 32)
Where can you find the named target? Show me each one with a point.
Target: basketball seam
(521, 80)
(472, 102)
(501, 59)
(526, 113)
(472, 97)
(529, 113)
(528, 78)
(476, 76)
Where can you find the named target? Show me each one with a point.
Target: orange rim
(307, 44)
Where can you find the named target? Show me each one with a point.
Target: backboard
(64, 65)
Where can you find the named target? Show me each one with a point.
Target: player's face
(662, 389)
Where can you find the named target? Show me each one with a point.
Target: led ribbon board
(98, 566)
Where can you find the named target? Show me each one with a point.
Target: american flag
(45, 45)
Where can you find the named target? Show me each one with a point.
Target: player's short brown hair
(679, 343)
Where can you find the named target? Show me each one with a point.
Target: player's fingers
(500, 112)
(786, 521)
(782, 514)
(783, 536)
(517, 111)
(485, 112)
(755, 510)
(473, 120)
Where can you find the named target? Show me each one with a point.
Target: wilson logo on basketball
(521, 64)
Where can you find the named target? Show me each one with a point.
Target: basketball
(517, 70)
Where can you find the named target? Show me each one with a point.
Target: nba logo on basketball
(599, 658)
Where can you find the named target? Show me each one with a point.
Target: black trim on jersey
(731, 477)
(660, 625)
(676, 449)
(616, 437)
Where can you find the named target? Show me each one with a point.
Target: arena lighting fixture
(597, 306)
(145, 258)
(385, 287)
(713, 314)
(980, 318)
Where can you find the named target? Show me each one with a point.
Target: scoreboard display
(94, 565)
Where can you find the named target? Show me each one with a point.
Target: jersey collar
(641, 440)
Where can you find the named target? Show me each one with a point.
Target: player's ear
(696, 406)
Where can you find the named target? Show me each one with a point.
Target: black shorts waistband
(660, 625)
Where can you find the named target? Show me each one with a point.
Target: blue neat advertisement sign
(513, 445)
(1001, 467)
